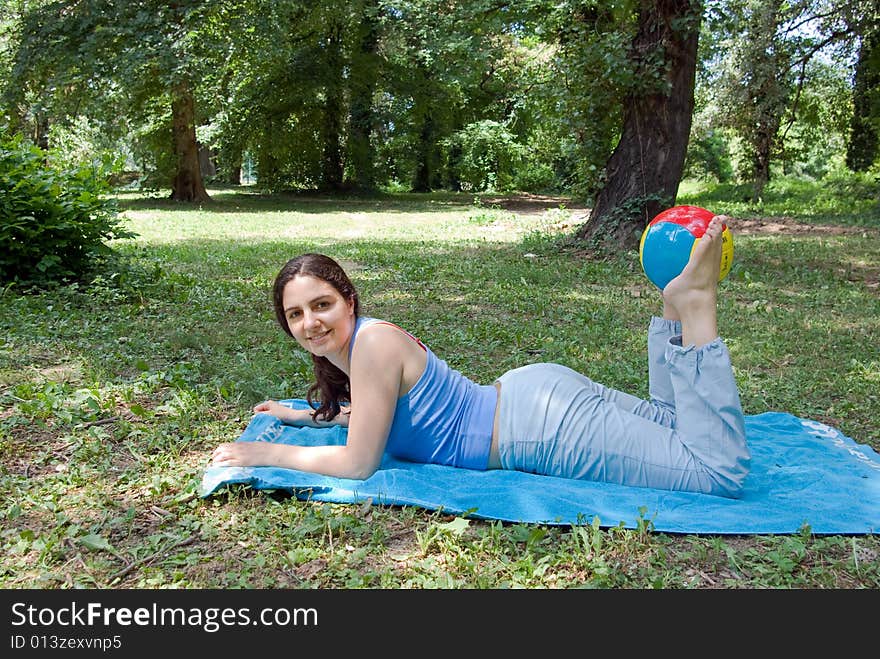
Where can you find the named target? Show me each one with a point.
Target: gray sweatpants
(690, 434)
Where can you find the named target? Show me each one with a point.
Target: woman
(540, 418)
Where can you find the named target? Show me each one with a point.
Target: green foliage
(404, 93)
(708, 157)
(488, 157)
(758, 84)
(114, 63)
(149, 144)
(536, 177)
(814, 137)
(780, 76)
(864, 143)
(577, 98)
(54, 222)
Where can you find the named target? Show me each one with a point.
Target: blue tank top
(445, 418)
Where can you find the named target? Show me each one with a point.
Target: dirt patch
(788, 226)
(533, 204)
(34, 451)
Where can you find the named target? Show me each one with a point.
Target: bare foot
(693, 293)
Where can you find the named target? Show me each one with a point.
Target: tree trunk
(331, 165)
(766, 82)
(644, 171)
(363, 84)
(229, 163)
(762, 158)
(41, 130)
(425, 171)
(187, 184)
(233, 174)
(206, 161)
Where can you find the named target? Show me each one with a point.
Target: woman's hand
(301, 417)
(245, 454)
(276, 409)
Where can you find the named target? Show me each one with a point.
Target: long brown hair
(332, 384)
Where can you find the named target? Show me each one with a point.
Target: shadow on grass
(830, 204)
(246, 199)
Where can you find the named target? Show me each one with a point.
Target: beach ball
(668, 240)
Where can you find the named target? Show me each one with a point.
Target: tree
(570, 107)
(644, 171)
(147, 51)
(762, 84)
(333, 106)
(187, 184)
(448, 65)
(365, 65)
(299, 91)
(863, 144)
(778, 83)
(586, 96)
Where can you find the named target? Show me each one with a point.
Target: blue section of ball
(665, 251)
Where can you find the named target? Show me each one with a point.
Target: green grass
(841, 200)
(114, 393)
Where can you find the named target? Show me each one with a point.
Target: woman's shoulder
(376, 333)
(383, 347)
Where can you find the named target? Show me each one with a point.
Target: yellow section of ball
(726, 252)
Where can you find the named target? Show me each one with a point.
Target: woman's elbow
(362, 473)
(362, 469)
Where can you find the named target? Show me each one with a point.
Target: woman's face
(319, 317)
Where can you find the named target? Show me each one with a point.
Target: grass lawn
(113, 393)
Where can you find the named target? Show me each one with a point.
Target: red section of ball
(693, 218)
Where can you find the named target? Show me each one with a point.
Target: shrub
(54, 221)
(708, 157)
(536, 177)
(486, 156)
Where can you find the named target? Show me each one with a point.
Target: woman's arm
(300, 417)
(376, 373)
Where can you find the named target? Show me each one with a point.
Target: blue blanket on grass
(804, 473)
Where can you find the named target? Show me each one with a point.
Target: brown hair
(332, 384)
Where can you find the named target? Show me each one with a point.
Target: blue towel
(804, 474)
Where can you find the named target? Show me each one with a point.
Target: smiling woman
(313, 308)
(395, 395)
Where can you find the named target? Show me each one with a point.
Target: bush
(536, 177)
(708, 157)
(54, 221)
(486, 157)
